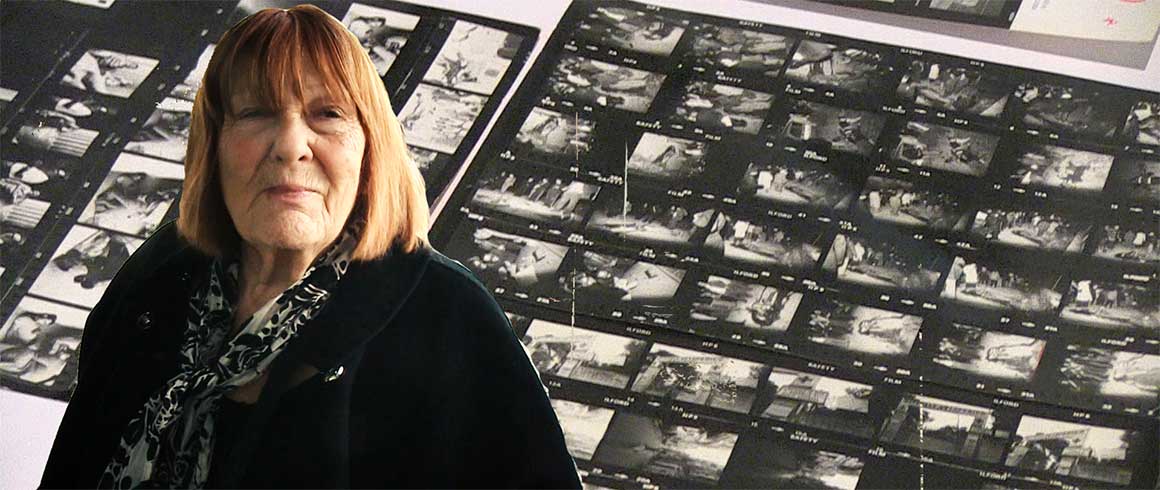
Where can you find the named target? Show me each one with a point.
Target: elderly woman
(294, 329)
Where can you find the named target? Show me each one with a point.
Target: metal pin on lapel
(333, 374)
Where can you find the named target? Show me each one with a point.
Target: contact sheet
(747, 255)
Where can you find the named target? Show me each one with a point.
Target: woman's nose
(292, 140)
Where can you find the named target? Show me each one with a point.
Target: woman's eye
(331, 113)
(251, 113)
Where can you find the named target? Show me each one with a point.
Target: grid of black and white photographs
(743, 255)
(96, 125)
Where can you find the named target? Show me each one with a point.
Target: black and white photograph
(38, 348)
(44, 178)
(700, 378)
(187, 88)
(57, 131)
(1139, 244)
(1136, 178)
(844, 67)
(135, 195)
(1070, 449)
(82, 266)
(945, 427)
(7, 95)
(548, 134)
(1114, 305)
(382, 32)
(763, 462)
(166, 132)
(817, 401)
(756, 308)
(740, 49)
(667, 158)
(439, 119)
(636, 30)
(536, 196)
(1143, 126)
(434, 166)
(903, 263)
(504, 260)
(950, 149)
(571, 352)
(1106, 373)
(833, 128)
(950, 87)
(718, 107)
(473, 58)
(604, 84)
(997, 286)
(21, 208)
(648, 445)
(902, 202)
(1031, 228)
(983, 8)
(654, 219)
(600, 283)
(583, 426)
(987, 353)
(862, 329)
(763, 242)
(801, 183)
(1069, 109)
(1060, 167)
(109, 72)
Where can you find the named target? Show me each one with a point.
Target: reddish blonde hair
(265, 53)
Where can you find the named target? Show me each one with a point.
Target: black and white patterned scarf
(170, 442)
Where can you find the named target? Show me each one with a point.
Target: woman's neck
(264, 273)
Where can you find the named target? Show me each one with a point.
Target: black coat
(435, 390)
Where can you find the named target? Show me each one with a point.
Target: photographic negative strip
(761, 461)
(946, 427)
(900, 263)
(667, 158)
(962, 88)
(109, 72)
(757, 310)
(800, 182)
(905, 203)
(52, 130)
(566, 351)
(817, 401)
(1061, 167)
(435, 168)
(718, 107)
(1082, 451)
(1143, 125)
(583, 426)
(604, 84)
(1113, 305)
(437, 118)
(838, 65)
(536, 196)
(473, 58)
(651, 218)
(188, 88)
(997, 284)
(135, 196)
(700, 378)
(986, 353)
(828, 128)
(38, 348)
(505, 261)
(21, 210)
(607, 285)
(1097, 375)
(166, 132)
(648, 445)
(547, 135)
(82, 266)
(636, 30)
(1135, 243)
(740, 49)
(1031, 228)
(1137, 179)
(951, 149)
(1069, 109)
(858, 329)
(765, 241)
(382, 32)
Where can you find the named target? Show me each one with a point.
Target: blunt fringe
(265, 53)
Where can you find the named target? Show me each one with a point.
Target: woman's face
(290, 175)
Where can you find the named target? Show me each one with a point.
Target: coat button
(145, 321)
(333, 374)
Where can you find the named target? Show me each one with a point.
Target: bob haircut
(265, 54)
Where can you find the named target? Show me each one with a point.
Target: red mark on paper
(1110, 21)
